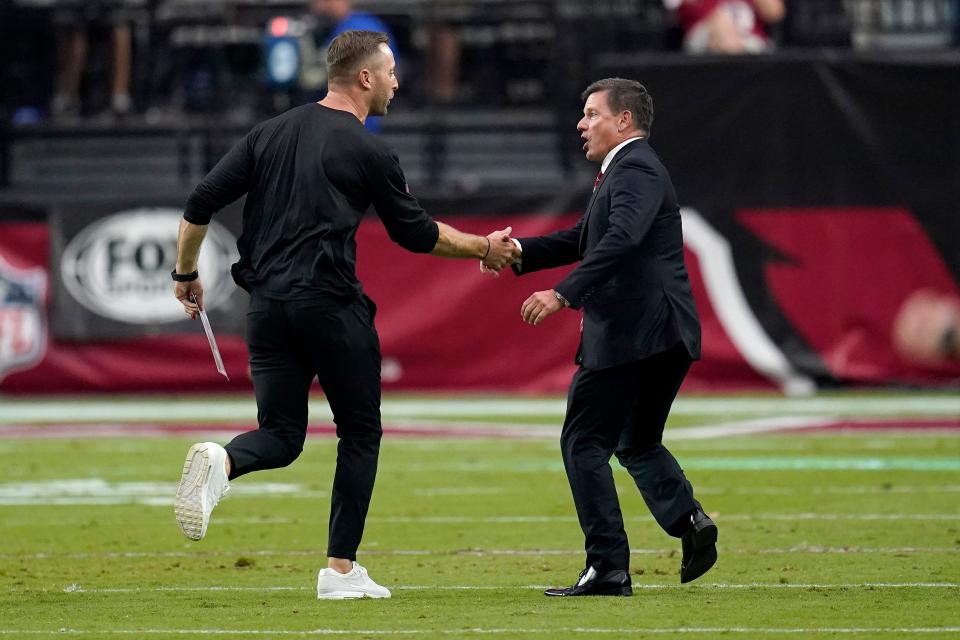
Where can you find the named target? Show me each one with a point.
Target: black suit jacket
(631, 282)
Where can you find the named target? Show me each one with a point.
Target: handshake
(502, 251)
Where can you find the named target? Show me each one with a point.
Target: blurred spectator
(726, 26)
(927, 327)
(75, 23)
(339, 16)
(444, 74)
(344, 18)
(905, 24)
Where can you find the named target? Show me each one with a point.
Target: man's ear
(625, 123)
(366, 79)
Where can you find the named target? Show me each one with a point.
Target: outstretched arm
(496, 250)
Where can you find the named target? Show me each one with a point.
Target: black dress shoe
(699, 547)
(591, 583)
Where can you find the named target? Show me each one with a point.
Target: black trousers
(622, 411)
(290, 343)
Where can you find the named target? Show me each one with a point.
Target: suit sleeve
(552, 250)
(226, 182)
(636, 194)
(407, 223)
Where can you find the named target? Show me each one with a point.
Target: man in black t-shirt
(309, 175)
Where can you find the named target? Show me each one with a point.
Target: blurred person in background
(309, 176)
(338, 16)
(639, 335)
(444, 65)
(727, 26)
(75, 23)
(342, 17)
(927, 328)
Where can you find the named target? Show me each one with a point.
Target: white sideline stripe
(245, 410)
(744, 427)
(809, 549)
(447, 587)
(488, 631)
(741, 517)
(427, 427)
(506, 519)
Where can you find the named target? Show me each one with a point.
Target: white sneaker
(202, 485)
(333, 585)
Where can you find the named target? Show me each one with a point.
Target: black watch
(184, 277)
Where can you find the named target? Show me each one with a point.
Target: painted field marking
(493, 631)
(98, 491)
(737, 463)
(666, 551)
(75, 588)
(457, 428)
(742, 517)
(244, 409)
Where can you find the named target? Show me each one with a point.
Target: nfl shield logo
(23, 327)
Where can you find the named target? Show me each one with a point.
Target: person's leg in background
(444, 62)
(73, 46)
(122, 67)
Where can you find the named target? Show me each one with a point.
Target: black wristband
(488, 250)
(184, 277)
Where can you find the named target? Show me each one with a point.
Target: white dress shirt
(603, 169)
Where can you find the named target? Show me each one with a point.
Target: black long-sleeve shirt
(309, 175)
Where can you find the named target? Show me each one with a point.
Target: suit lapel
(593, 197)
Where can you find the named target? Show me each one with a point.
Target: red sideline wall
(836, 286)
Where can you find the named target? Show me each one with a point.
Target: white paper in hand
(210, 339)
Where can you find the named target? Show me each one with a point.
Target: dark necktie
(596, 183)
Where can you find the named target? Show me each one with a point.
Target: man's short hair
(626, 95)
(350, 50)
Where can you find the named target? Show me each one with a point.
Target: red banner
(832, 282)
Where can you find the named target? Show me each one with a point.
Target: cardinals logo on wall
(23, 326)
(810, 296)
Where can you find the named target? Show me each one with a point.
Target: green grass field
(823, 534)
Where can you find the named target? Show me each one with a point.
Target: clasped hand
(503, 252)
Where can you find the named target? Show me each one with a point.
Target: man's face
(598, 127)
(383, 81)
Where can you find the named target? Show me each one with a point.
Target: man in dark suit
(639, 335)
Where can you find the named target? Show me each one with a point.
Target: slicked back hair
(350, 50)
(626, 95)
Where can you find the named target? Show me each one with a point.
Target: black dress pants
(290, 343)
(622, 410)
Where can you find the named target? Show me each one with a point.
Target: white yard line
(534, 519)
(269, 553)
(745, 427)
(243, 410)
(742, 517)
(494, 631)
(468, 587)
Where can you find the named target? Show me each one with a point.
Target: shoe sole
(348, 595)
(704, 555)
(188, 504)
(619, 591)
